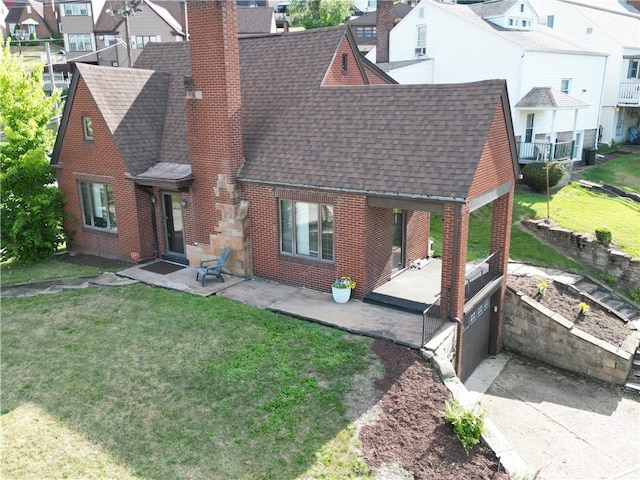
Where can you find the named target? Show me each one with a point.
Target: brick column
(500, 241)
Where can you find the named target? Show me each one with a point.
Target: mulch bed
(410, 430)
(92, 261)
(598, 321)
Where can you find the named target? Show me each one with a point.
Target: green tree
(31, 210)
(320, 13)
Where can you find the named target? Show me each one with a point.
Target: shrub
(603, 235)
(467, 424)
(534, 175)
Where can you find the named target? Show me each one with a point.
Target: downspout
(154, 226)
(458, 340)
(604, 76)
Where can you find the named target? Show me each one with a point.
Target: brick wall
(417, 238)
(336, 74)
(362, 241)
(132, 204)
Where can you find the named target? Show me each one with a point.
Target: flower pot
(341, 295)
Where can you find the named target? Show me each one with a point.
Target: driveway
(565, 426)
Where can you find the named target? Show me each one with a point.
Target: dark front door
(475, 337)
(397, 250)
(174, 225)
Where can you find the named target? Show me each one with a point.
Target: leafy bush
(535, 176)
(603, 235)
(467, 424)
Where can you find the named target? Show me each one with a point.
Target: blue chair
(634, 136)
(216, 269)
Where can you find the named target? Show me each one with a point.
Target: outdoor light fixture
(183, 202)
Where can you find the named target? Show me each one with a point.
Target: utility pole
(128, 9)
(52, 81)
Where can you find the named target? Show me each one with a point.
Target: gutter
(356, 191)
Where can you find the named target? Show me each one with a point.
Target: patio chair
(634, 136)
(216, 269)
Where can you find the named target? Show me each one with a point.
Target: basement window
(306, 230)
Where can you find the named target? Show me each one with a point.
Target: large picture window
(98, 206)
(306, 229)
(71, 9)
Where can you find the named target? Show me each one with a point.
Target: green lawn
(12, 273)
(623, 172)
(582, 210)
(142, 382)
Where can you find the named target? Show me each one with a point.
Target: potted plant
(341, 289)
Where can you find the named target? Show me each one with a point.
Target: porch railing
(544, 151)
(431, 320)
(629, 93)
(480, 277)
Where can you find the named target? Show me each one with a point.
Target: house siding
(132, 204)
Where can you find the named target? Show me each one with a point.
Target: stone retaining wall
(533, 330)
(585, 249)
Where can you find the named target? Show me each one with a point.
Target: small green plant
(542, 287)
(609, 279)
(584, 308)
(535, 175)
(467, 424)
(603, 235)
(635, 295)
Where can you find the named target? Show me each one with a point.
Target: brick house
(299, 155)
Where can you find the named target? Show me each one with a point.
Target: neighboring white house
(554, 81)
(608, 26)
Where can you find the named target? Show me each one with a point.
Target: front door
(397, 250)
(174, 225)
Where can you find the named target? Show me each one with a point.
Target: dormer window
(522, 8)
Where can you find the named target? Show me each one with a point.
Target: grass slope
(160, 384)
(623, 172)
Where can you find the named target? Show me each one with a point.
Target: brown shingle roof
(411, 141)
(255, 20)
(132, 104)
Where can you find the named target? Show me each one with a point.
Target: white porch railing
(629, 93)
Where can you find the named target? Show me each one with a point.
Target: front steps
(633, 380)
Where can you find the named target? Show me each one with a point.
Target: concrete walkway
(563, 426)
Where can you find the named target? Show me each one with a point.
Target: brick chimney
(384, 24)
(214, 124)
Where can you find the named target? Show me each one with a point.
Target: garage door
(475, 337)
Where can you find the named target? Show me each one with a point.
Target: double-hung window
(634, 69)
(306, 229)
(142, 40)
(421, 40)
(98, 206)
(565, 83)
(72, 9)
(80, 42)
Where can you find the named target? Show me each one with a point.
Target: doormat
(162, 268)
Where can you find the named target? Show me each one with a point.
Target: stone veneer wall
(533, 330)
(589, 252)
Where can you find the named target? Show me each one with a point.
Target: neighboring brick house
(364, 26)
(27, 17)
(178, 158)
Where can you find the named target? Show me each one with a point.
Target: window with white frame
(71, 9)
(528, 131)
(142, 40)
(306, 229)
(421, 39)
(565, 84)
(372, 3)
(550, 20)
(634, 69)
(79, 42)
(87, 127)
(110, 40)
(98, 206)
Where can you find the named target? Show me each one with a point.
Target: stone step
(601, 295)
(629, 311)
(632, 387)
(585, 285)
(636, 362)
(615, 303)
